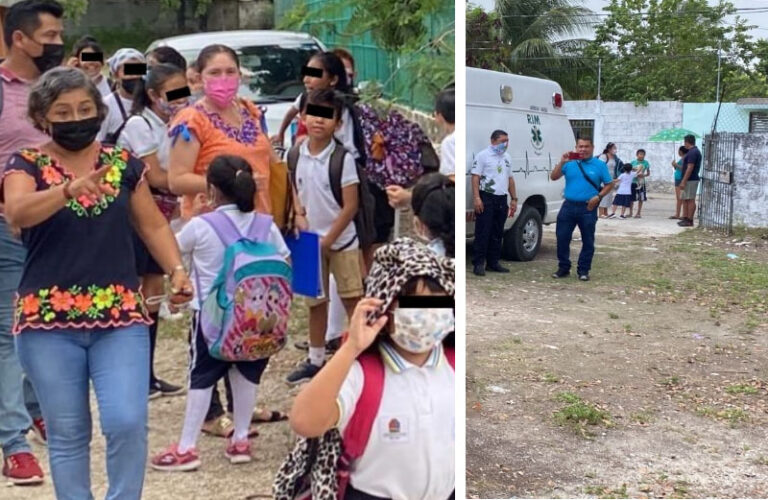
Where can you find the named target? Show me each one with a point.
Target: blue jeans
(15, 389)
(60, 364)
(574, 214)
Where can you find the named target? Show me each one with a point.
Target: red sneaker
(239, 452)
(38, 426)
(170, 460)
(22, 468)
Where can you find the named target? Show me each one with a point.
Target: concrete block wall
(750, 176)
(629, 126)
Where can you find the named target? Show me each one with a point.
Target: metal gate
(716, 195)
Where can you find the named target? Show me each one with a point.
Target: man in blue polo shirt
(587, 181)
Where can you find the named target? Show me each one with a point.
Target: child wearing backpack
(389, 389)
(217, 242)
(328, 195)
(433, 201)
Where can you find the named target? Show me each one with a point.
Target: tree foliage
(74, 9)
(668, 50)
(541, 38)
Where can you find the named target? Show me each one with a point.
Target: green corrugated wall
(372, 62)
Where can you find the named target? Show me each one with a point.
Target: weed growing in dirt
(761, 460)
(579, 414)
(613, 315)
(550, 378)
(604, 492)
(642, 417)
(741, 389)
(731, 415)
(672, 381)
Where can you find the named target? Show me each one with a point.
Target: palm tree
(541, 38)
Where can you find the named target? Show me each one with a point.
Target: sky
(761, 20)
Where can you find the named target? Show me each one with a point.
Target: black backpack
(364, 219)
(114, 136)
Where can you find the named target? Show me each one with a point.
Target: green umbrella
(671, 135)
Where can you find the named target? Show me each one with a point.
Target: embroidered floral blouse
(80, 270)
(216, 138)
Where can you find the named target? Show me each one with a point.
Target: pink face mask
(221, 90)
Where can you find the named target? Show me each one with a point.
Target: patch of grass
(672, 381)
(627, 328)
(568, 397)
(680, 488)
(517, 340)
(579, 413)
(761, 460)
(604, 492)
(613, 315)
(731, 415)
(741, 389)
(550, 378)
(642, 417)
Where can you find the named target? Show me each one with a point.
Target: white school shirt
(345, 134)
(448, 155)
(198, 239)
(410, 452)
(114, 116)
(147, 134)
(494, 170)
(625, 183)
(313, 184)
(103, 87)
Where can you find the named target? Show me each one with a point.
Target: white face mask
(419, 330)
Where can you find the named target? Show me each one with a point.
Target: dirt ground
(649, 381)
(216, 479)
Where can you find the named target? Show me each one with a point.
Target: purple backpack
(245, 315)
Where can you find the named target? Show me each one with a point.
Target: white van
(530, 110)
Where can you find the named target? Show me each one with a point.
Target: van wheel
(523, 240)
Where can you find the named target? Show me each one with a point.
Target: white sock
(198, 401)
(243, 401)
(316, 355)
(337, 315)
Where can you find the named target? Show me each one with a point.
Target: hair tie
(238, 172)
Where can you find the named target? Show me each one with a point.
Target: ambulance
(531, 111)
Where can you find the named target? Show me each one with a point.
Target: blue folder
(307, 267)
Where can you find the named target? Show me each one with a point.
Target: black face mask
(129, 85)
(75, 136)
(53, 55)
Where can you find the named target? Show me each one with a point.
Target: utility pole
(719, 50)
(599, 76)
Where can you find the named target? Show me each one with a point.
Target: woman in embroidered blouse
(80, 315)
(219, 123)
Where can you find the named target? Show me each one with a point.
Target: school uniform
(200, 240)
(314, 189)
(624, 193)
(448, 155)
(144, 135)
(118, 110)
(494, 170)
(410, 451)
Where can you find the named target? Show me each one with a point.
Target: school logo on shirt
(395, 429)
(394, 426)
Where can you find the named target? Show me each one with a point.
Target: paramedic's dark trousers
(573, 214)
(489, 229)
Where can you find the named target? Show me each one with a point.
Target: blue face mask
(499, 148)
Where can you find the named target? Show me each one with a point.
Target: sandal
(673, 217)
(224, 427)
(274, 416)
